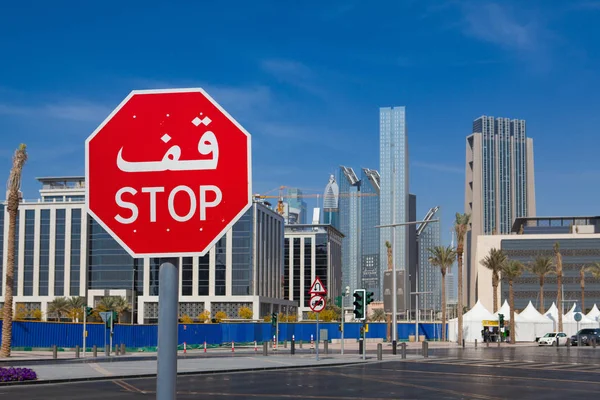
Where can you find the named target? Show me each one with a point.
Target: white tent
(472, 323)
(532, 324)
(569, 324)
(594, 314)
(504, 310)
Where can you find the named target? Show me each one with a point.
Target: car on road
(587, 336)
(549, 339)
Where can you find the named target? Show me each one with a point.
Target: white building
(61, 251)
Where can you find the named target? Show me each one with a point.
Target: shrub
(17, 374)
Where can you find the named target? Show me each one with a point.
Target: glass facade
(59, 253)
(109, 265)
(430, 277)
(295, 200)
(187, 276)
(75, 251)
(504, 172)
(16, 272)
(44, 254)
(393, 158)
(576, 253)
(203, 275)
(28, 253)
(296, 274)
(308, 251)
(349, 221)
(370, 265)
(221, 266)
(241, 254)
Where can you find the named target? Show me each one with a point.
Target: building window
(307, 269)
(297, 269)
(75, 251)
(44, 258)
(186, 276)
(241, 254)
(203, 275)
(154, 271)
(321, 265)
(220, 266)
(1, 246)
(59, 254)
(28, 254)
(286, 269)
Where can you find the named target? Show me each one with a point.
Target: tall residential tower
(393, 161)
(499, 184)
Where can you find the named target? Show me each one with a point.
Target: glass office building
(371, 269)
(349, 208)
(61, 252)
(311, 251)
(393, 158)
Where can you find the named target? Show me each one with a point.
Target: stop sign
(168, 173)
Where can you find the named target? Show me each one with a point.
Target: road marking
(406, 384)
(98, 368)
(517, 365)
(495, 376)
(127, 386)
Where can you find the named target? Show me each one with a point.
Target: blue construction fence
(47, 334)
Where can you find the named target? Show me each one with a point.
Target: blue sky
(307, 79)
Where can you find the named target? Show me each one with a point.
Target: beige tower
(499, 184)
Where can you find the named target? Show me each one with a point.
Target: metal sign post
(166, 377)
(84, 328)
(317, 335)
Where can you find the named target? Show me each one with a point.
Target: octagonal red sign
(168, 173)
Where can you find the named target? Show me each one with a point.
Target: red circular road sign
(317, 303)
(168, 173)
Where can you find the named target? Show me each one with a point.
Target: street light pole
(394, 282)
(417, 313)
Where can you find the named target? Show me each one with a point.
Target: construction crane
(280, 208)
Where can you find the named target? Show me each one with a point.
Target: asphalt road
(433, 378)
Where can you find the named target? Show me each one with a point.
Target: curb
(187, 373)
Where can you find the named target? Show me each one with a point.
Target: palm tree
(461, 225)
(495, 262)
(378, 315)
(559, 276)
(12, 207)
(541, 267)
(594, 269)
(120, 305)
(511, 270)
(76, 305)
(59, 306)
(106, 304)
(443, 257)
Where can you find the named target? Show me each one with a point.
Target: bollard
(312, 342)
(122, 349)
(116, 349)
(394, 347)
(594, 343)
(360, 346)
(403, 350)
(475, 343)
(293, 346)
(255, 348)
(205, 346)
(379, 352)
(285, 344)
(232, 346)
(274, 343)
(54, 352)
(77, 351)
(487, 344)
(107, 350)
(184, 348)
(424, 349)
(499, 343)
(463, 343)
(326, 346)
(94, 351)
(300, 343)
(265, 349)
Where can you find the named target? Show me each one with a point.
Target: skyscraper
(393, 159)
(294, 200)
(349, 185)
(499, 185)
(429, 276)
(371, 270)
(331, 200)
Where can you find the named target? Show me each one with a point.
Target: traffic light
(115, 317)
(359, 304)
(501, 320)
(89, 311)
(274, 319)
(370, 297)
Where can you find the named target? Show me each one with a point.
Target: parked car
(587, 336)
(549, 339)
